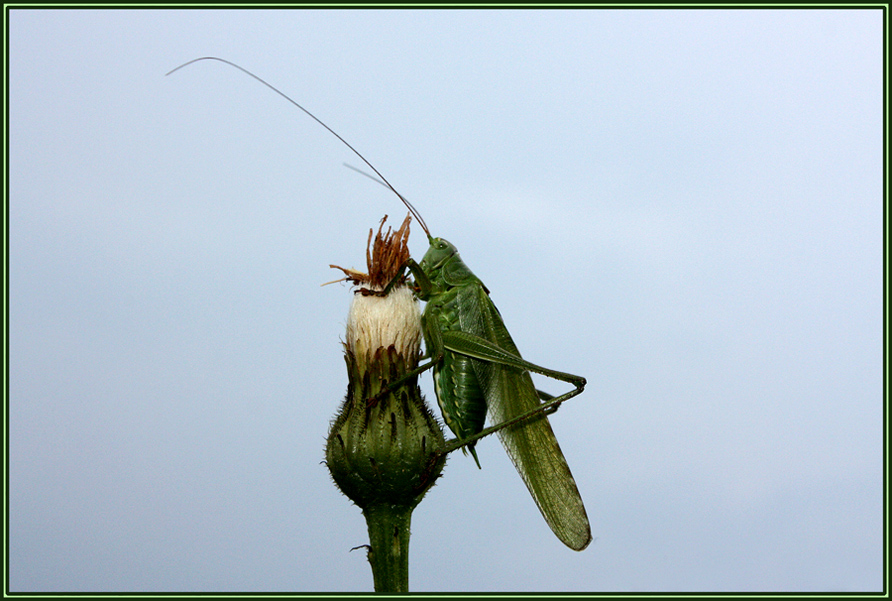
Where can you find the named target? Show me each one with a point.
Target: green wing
(531, 444)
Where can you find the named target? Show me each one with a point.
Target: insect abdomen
(460, 397)
(458, 389)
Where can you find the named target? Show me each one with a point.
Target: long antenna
(317, 120)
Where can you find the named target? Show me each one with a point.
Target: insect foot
(384, 448)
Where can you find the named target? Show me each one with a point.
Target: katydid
(476, 364)
(479, 372)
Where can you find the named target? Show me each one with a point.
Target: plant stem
(389, 546)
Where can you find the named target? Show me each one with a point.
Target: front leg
(422, 282)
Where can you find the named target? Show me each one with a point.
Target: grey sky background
(685, 207)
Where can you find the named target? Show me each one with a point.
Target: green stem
(389, 546)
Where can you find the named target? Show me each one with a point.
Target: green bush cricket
(479, 372)
(478, 369)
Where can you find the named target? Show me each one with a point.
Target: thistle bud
(384, 448)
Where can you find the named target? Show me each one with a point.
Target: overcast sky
(682, 206)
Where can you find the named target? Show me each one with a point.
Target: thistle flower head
(384, 447)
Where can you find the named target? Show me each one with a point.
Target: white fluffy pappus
(378, 321)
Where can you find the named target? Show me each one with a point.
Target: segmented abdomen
(459, 395)
(458, 389)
